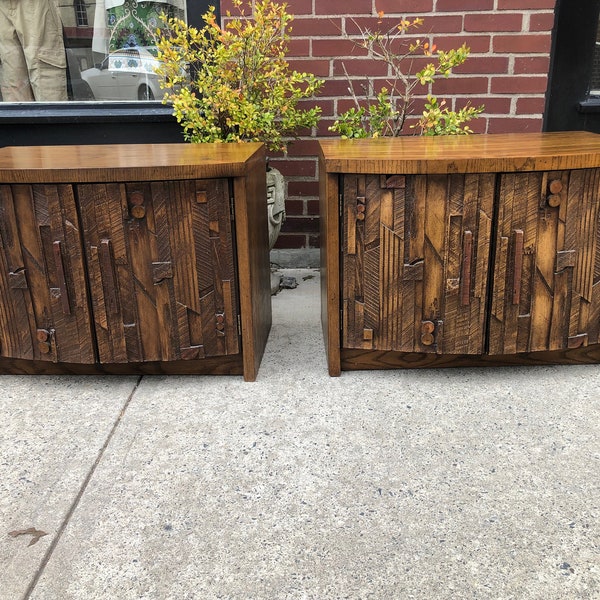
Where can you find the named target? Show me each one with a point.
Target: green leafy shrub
(237, 84)
(384, 113)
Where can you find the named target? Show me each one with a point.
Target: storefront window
(82, 50)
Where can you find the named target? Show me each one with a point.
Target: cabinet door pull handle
(60, 273)
(517, 265)
(427, 333)
(108, 277)
(465, 274)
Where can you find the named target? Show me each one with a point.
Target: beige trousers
(32, 52)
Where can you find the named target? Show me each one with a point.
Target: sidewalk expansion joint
(80, 493)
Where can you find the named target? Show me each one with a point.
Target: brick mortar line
(424, 15)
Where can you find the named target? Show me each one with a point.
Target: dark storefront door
(574, 88)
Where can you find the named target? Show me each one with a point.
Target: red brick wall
(507, 71)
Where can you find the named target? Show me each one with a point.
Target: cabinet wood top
(463, 154)
(125, 162)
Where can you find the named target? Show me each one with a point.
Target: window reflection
(58, 50)
(81, 17)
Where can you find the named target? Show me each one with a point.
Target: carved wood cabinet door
(44, 309)
(160, 257)
(546, 285)
(415, 258)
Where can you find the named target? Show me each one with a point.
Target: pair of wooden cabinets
(461, 251)
(435, 251)
(125, 259)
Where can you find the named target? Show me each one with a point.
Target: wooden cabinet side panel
(330, 265)
(252, 247)
(45, 302)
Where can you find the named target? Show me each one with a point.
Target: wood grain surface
(123, 162)
(491, 153)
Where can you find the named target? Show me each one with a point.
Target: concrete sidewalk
(447, 484)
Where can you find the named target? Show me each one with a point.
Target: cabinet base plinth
(222, 365)
(356, 359)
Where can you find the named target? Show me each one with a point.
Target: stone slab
(52, 431)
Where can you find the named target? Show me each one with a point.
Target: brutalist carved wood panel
(415, 262)
(44, 312)
(545, 291)
(161, 268)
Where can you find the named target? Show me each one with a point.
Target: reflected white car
(126, 74)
